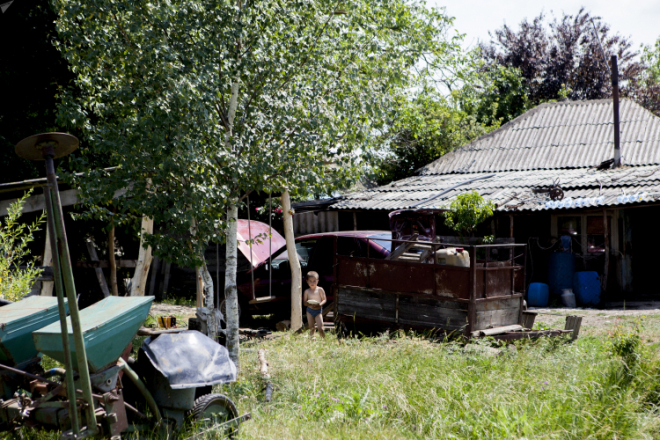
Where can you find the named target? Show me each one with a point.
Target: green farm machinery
(101, 391)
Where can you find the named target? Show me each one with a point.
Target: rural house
(554, 149)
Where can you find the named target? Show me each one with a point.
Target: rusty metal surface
(31, 147)
(261, 248)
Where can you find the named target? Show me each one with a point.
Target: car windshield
(384, 240)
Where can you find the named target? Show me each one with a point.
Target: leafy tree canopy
(563, 58)
(427, 126)
(467, 211)
(199, 102)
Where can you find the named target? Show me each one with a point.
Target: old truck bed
(423, 295)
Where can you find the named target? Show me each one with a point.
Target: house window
(596, 234)
(586, 231)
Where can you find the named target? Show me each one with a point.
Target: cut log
(263, 369)
(573, 324)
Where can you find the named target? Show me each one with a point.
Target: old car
(266, 289)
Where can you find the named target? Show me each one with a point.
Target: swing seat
(262, 299)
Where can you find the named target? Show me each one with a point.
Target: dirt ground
(594, 322)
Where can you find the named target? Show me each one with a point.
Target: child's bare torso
(314, 295)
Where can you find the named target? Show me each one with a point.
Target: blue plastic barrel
(538, 295)
(586, 286)
(560, 271)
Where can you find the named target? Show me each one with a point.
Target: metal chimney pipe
(615, 106)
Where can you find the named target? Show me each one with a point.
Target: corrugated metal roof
(512, 189)
(569, 134)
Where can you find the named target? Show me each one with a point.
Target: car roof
(359, 234)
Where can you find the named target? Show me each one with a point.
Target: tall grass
(407, 387)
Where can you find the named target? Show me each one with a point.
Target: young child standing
(314, 298)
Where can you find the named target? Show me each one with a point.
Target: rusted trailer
(424, 294)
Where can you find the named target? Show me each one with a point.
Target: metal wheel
(212, 409)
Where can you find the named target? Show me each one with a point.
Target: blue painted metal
(107, 328)
(17, 322)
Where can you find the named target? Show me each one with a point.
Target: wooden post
(93, 256)
(111, 258)
(166, 280)
(354, 221)
(154, 276)
(296, 276)
(511, 225)
(573, 323)
(144, 259)
(472, 305)
(606, 265)
(47, 286)
(199, 283)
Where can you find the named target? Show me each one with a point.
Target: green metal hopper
(17, 322)
(107, 327)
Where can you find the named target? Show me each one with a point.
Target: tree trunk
(111, 258)
(296, 277)
(231, 293)
(139, 282)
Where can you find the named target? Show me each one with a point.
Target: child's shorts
(314, 312)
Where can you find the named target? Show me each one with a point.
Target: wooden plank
(573, 323)
(104, 264)
(496, 318)
(498, 330)
(37, 202)
(47, 286)
(91, 250)
(528, 319)
(472, 307)
(139, 282)
(153, 280)
(502, 303)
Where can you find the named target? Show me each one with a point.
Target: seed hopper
(101, 391)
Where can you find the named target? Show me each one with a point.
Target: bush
(16, 282)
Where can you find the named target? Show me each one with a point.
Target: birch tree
(213, 99)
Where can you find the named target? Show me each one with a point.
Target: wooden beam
(104, 264)
(37, 202)
(47, 286)
(91, 250)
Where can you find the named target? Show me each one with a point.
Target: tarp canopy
(266, 240)
(190, 359)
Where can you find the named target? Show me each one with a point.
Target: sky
(639, 19)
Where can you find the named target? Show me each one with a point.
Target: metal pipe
(615, 108)
(64, 327)
(26, 374)
(142, 387)
(449, 189)
(67, 275)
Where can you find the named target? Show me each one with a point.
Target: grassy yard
(403, 386)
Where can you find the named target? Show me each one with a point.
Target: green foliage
(625, 343)
(427, 127)
(198, 102)
(495, 95)
(651, 58)
(15, 237)
(467, 211)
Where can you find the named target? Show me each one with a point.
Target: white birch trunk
(296, 276)
(231, 293)
(139, 281)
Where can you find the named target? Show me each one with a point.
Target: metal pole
(615, 107)
(59, 290)
(67, 275)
